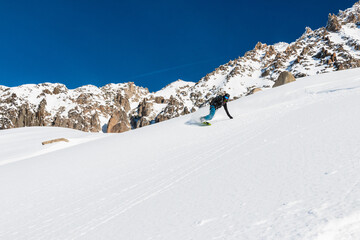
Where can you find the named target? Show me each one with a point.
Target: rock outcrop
(284, 78)
(255, 90)
(55, 140)
(118, 123)
(333, 24)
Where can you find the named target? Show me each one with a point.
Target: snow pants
(211, 114)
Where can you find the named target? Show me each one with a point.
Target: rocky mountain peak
(333, 24)
(260, 46)
(125, 106)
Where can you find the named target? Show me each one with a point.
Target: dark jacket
(219, 102)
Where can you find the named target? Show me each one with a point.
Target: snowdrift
(286, 167)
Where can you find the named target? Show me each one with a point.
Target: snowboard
(206, 124)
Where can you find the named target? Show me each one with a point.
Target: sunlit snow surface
(286, 167)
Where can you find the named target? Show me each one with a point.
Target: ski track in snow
(286, 167)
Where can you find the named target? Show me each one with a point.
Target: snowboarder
(216, 103)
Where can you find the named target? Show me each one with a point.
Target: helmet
(226, 97)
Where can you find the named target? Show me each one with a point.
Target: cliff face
(121, 107)
(112, 108)
(86, 108)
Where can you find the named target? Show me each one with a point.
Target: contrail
(172, 68)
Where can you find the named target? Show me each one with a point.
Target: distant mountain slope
(120, 107)
(286, 167)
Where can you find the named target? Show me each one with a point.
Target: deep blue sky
(151, 43)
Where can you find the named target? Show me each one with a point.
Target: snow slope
(286, 167)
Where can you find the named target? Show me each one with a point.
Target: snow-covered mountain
(286, 167)
(120, 107)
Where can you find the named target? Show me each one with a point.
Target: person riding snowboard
(215, 104)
